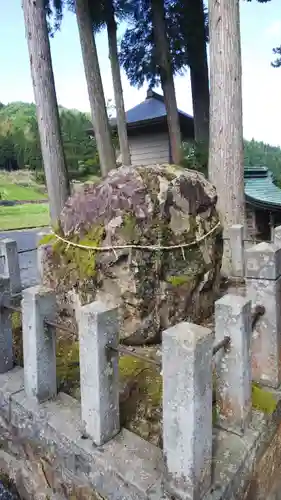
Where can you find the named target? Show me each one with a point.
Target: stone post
(277, 236)
(263, 270)
(236, 237)
(39, 345)
(187, 409)
(99, 327)
(233, 367)
(11, 269)
(6, 339)
(41, 255)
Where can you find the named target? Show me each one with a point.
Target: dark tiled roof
(260, 189)
(152, 108)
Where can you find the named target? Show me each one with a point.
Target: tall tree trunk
(95, 88)
(197, 55)
(117, 85)
(46, 105)
(226, 162)
(166, 76)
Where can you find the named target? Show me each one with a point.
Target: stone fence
(190, 467)
(238, 244)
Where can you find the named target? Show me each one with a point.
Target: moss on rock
(263, 400)
(141, 206)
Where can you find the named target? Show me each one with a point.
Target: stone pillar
(277, 236)
(39, 343)
(6, 339)
(236, 237)
(187, 409)
(233, 366)
(263, 270)
(9, 250)
(41, 255)
(98, 327)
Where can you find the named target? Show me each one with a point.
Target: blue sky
(260, 31)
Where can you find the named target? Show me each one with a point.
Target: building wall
(258, 223)
(149, 149)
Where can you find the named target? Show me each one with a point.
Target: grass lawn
(20, 193)
(20, 186)
(24, 216)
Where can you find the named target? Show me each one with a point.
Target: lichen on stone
(161, 206)
(178, 280)
(263, 400)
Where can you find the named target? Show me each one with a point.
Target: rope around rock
(153, 248)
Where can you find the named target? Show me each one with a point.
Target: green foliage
(259, 153)
(20, 142)
(255, 153)
(137, 54)
(195, 157)
(46, 239)
(277, 62)
(75, 262)
(39, 177)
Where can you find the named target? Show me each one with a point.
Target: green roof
(260, 189)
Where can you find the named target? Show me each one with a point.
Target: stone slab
(266, 338)
(9, 249)
(98, 327)
(39, 342)
(55, 425)
(6, 335)
(233, 318)
(263, 261)
(277, 236)
(109, 466)
(187, 409)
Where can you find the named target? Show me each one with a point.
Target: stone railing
(238, 244)
(189, 353)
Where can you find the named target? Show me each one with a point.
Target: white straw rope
(153, 248)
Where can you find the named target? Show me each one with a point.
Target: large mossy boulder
(133, 209)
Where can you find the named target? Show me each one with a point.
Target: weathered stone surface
(277, 236)
(98, 327)
(6, 340)
(233, 367)
(266, 341)
(127, 468)
(263, 261)
(187, 409)
(9, 250)
(157, 205)
(39, 343)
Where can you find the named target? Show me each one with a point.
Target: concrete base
(129, 468)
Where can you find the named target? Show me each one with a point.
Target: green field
(24, 216)
(20, 186)
(20, 193)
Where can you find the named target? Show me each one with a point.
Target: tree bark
(117, 85)
(166, 76)
(226, 161)
(46, 106)
(95, 88)
(198, 62)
